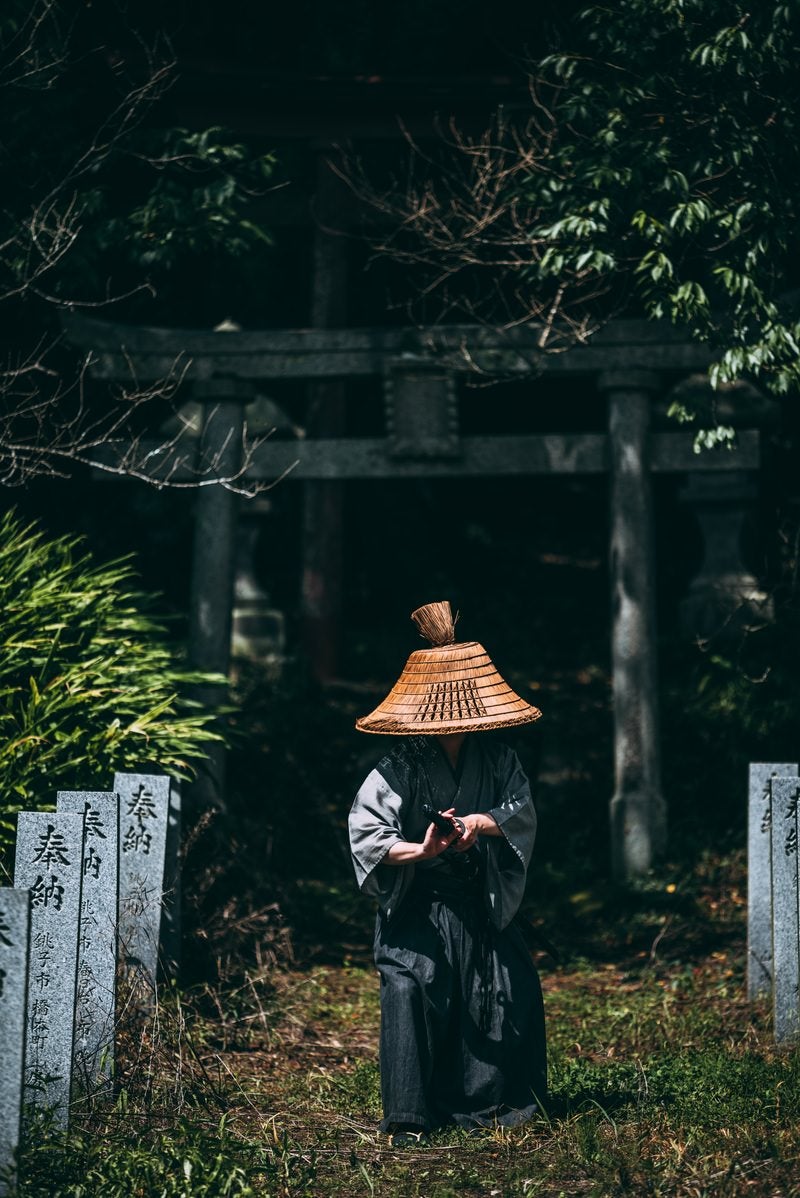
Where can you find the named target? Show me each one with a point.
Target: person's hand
(473, 826)
(435, 842)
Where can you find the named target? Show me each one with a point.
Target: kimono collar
(446, 781)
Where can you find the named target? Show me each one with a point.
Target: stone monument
(785, 922)
(14, 935)
(49, 863)
(759, 875)
(171, 906)
(97, 942)
(144, 801)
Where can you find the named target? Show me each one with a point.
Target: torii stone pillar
(213, 562)
(638, 816)
(321, 588)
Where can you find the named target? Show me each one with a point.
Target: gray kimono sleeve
(509, 855)
(375, 824)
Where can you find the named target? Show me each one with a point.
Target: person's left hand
(472, 827)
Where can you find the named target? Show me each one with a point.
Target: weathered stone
(785, 925)
(14, 933)
(521, 455)
(97, 941)
(49, 862)
(759, 875)
(339, 353)
(171, 907)
(421, 409)
(258, 629)
(143, 814)
(213, 562)
(638, 814)
(724, 597)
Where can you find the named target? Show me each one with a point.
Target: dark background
(523, 560)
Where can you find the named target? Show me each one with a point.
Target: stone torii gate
(630, 362)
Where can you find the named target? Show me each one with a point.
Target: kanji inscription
(144, 807)
(785, 922)
(48, 864)
(47, 891)
(759, 868)
(52, 848)
(97, 942)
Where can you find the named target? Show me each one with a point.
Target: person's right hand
(435, 842)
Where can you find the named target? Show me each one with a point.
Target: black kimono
(462, 1024)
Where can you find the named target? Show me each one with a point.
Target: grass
(664, 1078)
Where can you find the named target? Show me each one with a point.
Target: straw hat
(447, 688)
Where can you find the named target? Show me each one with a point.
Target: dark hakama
(462, 1024)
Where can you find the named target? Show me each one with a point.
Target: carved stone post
(258, 628)
(638, 817)
(214, 554)
(725, 596)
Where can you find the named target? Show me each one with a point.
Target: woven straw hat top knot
(436, 623)
(451, 687)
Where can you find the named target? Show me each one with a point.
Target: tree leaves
(688, 112)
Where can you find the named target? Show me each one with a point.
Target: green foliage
(733, 703)
(355, 1089)
(675, 168)
(88, 682)
(706, 1089)
(176, 196)
(191, 1160)
(103, 195)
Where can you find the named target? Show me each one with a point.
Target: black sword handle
(443, 823)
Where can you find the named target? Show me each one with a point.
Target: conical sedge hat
(447, 688)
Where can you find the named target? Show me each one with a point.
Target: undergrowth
(664, 1080)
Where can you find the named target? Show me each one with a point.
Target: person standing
(462, 1036)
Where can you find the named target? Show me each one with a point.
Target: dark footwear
(409, 1135)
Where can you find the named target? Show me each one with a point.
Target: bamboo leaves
(88, 681)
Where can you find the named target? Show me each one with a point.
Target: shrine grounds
(258, 1074)
(664, 1079)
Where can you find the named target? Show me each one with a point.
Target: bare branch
(49, 426)
(34, 57)
(465, 221)
(53, 418)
